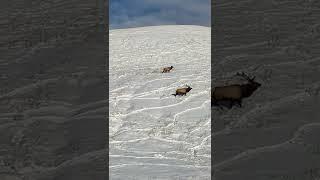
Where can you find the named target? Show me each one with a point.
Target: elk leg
(220, 107)
(214, 102)
(231, 104)
(240, 102)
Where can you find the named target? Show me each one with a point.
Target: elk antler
(256, 67)
(245, 76)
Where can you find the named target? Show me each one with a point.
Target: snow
(153, 134)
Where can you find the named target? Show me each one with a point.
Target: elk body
(167, 69)
(182, 91)
(234, 93)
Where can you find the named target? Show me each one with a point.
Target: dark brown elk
(182, 91)
(167, 69)
(234, 93)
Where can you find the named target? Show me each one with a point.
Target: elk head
(251, 86)
(188, 88)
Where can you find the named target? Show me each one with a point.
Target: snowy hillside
(275, 135)
(152, 133)
(52, 91)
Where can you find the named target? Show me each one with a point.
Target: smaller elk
(167, 69)
(234, 93)
(182, 91)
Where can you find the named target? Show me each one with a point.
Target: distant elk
(167, 69)
(234, 93)
(182, 91)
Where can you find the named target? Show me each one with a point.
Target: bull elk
(234, 93)
(167, 69)
(182, 91)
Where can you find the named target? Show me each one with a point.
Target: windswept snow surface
(152, 133)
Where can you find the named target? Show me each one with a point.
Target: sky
(138, 13)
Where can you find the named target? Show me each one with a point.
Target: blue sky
(137, 13)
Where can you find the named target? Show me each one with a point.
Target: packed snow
(153, 134)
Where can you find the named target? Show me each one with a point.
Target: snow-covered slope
(275, 135)
(53, 113)
(152, 133)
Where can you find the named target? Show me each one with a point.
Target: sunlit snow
(152, 133)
